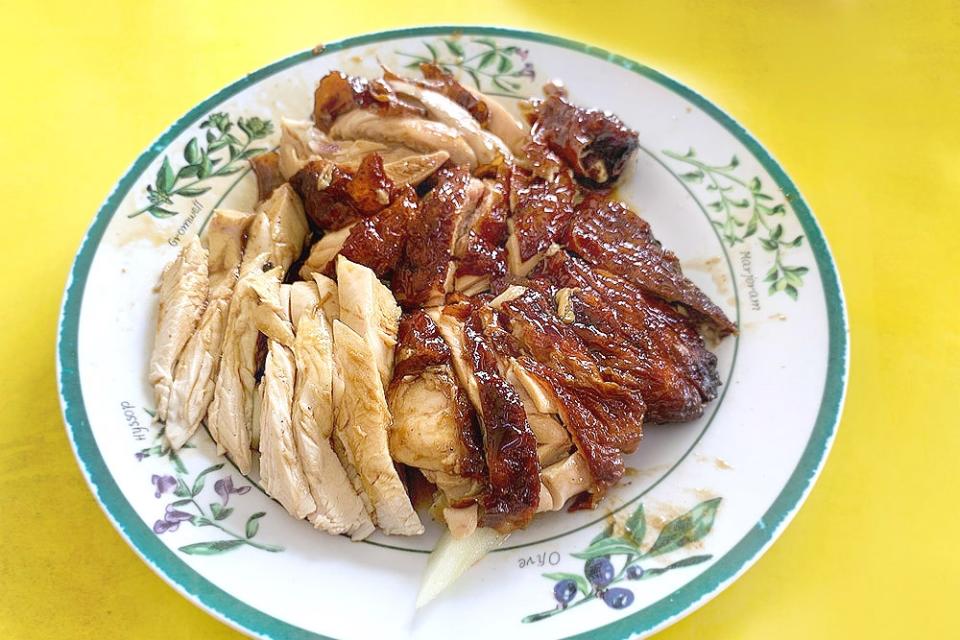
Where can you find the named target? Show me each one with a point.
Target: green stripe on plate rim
(242, 616)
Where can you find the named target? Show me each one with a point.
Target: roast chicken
(431, 287)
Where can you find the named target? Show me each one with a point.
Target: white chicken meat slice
(196, 372)
(423, 135)
(485, 145)
(231, 413)
(281, 471)
(503, 125)
(363, 425)
(324, 251)
(329, 298)
(183, 292)
(339, 508)
(301, 143)
(275, 239)
(285, 231)
(368, 307)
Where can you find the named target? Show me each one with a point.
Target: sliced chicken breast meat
(363, 425)
(196, 372)
(183, 293)
(339, 509)
(281, 472)
(426, 136)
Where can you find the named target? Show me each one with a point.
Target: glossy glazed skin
(596, 312)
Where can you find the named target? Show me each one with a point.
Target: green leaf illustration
(608, 547)
(201, 478)
(192, 152)
(473, 75)
(432, 50)
(181, 503)
(581, 582)
(755, 185)
(504, 65)
(182, 490)
(219, 513)
(211, 548)
(454, 48)
(486, 59)
(192, 192)
(792, 278)
(189, 171)
(636, 525)
(791, 291)
(686, 529)
(693, 176)
(253, 524)
(165, 177)
(206, 167)
(679, 564)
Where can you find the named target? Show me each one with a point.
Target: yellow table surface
(859, 101)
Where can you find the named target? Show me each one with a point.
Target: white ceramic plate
(701, 501)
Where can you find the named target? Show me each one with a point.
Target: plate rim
(247, 619)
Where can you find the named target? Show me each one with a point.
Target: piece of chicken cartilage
(410, 170)
(280, 228)
(362, 426)
(462, 521)
(281, 471)
(230, 419)
(426, 272)
(484, 144)
(368, 307)
(425, 136)
(183, 292)
(566, 479)
(339, 509)
(196, 372)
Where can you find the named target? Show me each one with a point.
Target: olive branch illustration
(600, 573)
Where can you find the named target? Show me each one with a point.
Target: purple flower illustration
(527, 71)
(140, 455)
(523, 53)
(171, 520)
(224, 488)
(163, 484)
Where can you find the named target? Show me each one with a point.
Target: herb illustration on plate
(746, 209)
(222, 154)
(187, 506)
(495, 70)
(607, 552)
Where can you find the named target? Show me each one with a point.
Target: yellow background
(860, 102)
